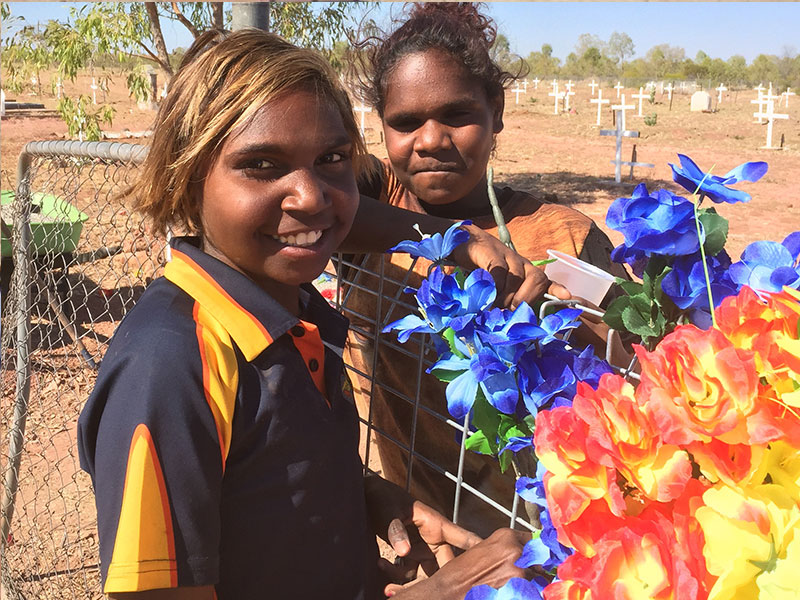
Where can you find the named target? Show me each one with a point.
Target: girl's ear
(498, 104)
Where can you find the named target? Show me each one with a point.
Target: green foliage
(651, 119)
(81, 122)
(138, 83)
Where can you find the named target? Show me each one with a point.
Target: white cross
(594, 85)
(771, 116)
(556, 96)
(599, 101)
(535, 83)
(786, 95)
(621, 108)
(619, 87)
(567, 94)
(363, 110)
(94, 91)
(721, 89)
(761, 102)
(619, 133)
(525, 84)
(759, 88)
(2, 103)
(554, 84)
(683, 86)
(669, 89)
(770, 88)
(641, 96)
(569, 85)
(517, 91)
(59, 87)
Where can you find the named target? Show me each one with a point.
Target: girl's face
(281, 194)
(439, 127)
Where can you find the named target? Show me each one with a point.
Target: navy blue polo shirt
(222, 442)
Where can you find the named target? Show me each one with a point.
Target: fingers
(459, 537)
(397, 537)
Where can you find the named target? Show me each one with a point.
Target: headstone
(641, 96)
(556, 96)
(599, 101)
(720, 89)
(619, 87)
(619, 110)
(594, 85)
(363, 110)
(517, 91)
(619, 133)
(701, 101)
(770, 115)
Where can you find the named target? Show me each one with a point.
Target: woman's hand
(515, 277)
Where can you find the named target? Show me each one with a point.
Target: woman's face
(281, 195)
(439, 126)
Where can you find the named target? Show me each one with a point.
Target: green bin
(55, 224)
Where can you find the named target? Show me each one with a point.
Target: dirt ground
(560, 157)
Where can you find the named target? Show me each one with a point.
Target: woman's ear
(498, 104)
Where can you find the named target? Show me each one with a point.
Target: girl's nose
(305, 193)
(432, 137)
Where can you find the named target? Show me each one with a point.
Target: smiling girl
(221, 436)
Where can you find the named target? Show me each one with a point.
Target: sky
(720, 29)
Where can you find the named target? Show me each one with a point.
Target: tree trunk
(217, 19)
(158, 37)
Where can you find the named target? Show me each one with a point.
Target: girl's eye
(334, 157)
(261, 164)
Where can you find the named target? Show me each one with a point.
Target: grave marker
(556, 96)
(525, 84)
(2, 103)
(619, 87)
(761, 102)
(786, 95)
(599, 101)
(619, 133)
(701, 102)
(566, 95)
(363, 110)
(641, 96)
(164, 91)
(594, 85)
(669, 89)
(59, 88)
(720, 89)
(94, 91)
(535, 83)
(517, 91)
(771, 116)
(621, 108)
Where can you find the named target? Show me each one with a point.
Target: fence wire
(90, 257)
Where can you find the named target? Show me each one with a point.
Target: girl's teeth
(301, 239)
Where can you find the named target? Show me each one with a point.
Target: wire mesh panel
(89, 257)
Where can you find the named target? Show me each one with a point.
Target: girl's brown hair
(223, 80)
(457, 28)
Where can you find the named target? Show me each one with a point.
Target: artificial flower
(437, 247)
(769, 266)
(748, 532)
(658, 223)
(515, 588)
(689, 176)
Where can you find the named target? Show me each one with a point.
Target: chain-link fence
(81, 258)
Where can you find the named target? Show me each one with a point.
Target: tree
(587, 41)
(133, 30)
(619, 48)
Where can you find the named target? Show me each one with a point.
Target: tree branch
(217, 19)
(176, 10)
(158, 37)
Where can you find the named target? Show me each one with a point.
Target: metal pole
(250, 14)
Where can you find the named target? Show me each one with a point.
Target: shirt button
(313, 365)
(297, 331)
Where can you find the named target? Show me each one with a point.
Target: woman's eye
(261, 164)
(334, 157)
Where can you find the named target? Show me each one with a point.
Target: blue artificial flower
(503, 327)
(516, 444)
(515, 588)
(483, 369)
(769, 266)
(658, 223)
(544, 378)
(689, 177)
(588, 368)
(444, 303)
(437, 247)
(686, 286)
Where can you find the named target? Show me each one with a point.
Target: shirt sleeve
(151, 442)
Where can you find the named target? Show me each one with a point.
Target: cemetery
(582, 143)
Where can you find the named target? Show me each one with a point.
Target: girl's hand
(516, 279)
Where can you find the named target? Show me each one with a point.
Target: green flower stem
(705, 265)
(502, 231)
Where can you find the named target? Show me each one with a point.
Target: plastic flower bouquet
(684, 486)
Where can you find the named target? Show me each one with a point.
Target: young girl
(440, 98)
(221, 436)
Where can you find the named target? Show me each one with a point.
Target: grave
(770, 115)
(621, 108)
(594, 85)
(59, 88)
(701, 102)
(761, 103)
(525, 84)
(720, 89)
(669, 89)
(599, 101)
(619, 133)
(517, 91)
(619, 87)
(2, 103)
(535, 83)
(556, 96)
(363, 110)
(93, 87)
(786, 95)
(566, 96)
(641, 96)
